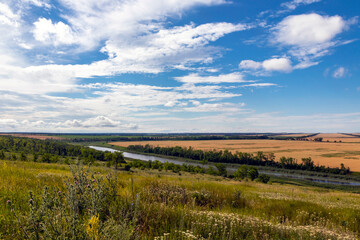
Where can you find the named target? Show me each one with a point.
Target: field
(35, 136)
(324, 153)
(153, 204)
(332, 137)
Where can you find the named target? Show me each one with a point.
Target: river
(278, 174)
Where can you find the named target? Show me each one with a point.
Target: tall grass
(153, 204)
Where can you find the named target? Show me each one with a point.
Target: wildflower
(31, 200)
(59, 192)
(93, 226)
(8, 201)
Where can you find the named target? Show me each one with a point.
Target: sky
(166, 66)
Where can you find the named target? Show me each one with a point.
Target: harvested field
(35, 136)
(323, 153)
(332, 137)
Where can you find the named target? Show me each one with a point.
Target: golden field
(331, 137)
(323, 153)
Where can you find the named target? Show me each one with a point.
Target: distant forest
(177, 137)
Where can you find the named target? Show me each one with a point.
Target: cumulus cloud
(309, 36)
(277, 64)
(250, 64)
(96, 123)
(53, 33)
(274, 64)
(308, 29)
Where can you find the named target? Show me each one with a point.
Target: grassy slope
(262, 211)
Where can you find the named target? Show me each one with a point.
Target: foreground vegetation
(99, 203)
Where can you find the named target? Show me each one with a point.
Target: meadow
(153, 204)
(325, 153)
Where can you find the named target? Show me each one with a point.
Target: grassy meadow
(153, 204)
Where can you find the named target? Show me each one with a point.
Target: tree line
(179, 137)
(258, 159)
(50, 151)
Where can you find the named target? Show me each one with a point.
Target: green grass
(195, 204)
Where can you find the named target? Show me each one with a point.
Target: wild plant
(80, 211)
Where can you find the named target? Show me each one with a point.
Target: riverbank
(296, 177)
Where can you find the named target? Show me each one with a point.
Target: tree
(241, 172)
(117, 158)
(2, 154)
(221, 169)
(23, 156)
(308, 163)
(252, 173)
(35, 157)
(46, 158)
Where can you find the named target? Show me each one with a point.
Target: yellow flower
(93, 226)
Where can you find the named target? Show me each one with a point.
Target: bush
(264, 178)
(127, 167)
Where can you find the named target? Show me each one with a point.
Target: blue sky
(179, 66)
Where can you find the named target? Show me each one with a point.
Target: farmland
(330, 154)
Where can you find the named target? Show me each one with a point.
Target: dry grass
(323, 153)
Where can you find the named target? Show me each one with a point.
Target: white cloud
(274, 64)
(295, 3)
(150, 54)
(215, 107)
(250, 64)
(339, 72)
(169, 47)
(7, 16)
(91, 18)
(222, 78)
(308, 29)
(53, 33)
(39, 3)
(309, 36)
(277, 64)
(260, 85)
